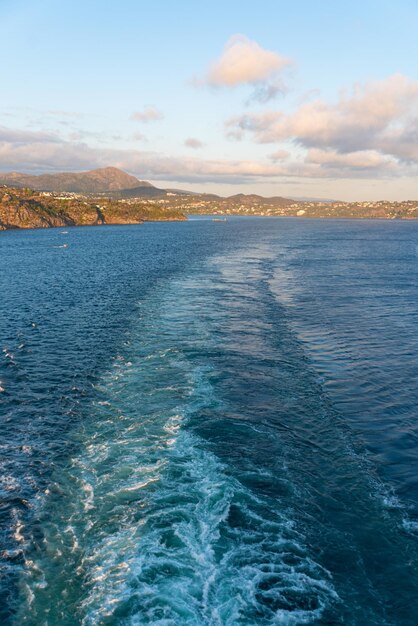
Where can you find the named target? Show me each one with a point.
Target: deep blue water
(210, 424)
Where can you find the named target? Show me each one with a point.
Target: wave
(146, 525)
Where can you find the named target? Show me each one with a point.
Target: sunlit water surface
(210, 424)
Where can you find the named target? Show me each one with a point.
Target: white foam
(145, 512)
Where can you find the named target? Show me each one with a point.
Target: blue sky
(305, 98)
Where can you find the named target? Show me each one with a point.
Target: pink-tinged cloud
(279, 155)
(361, 160)
(149, 114)
(192, 142)
(378, 116)
(244, 62)
(41, 152)
(31, 151)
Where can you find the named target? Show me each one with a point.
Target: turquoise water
(210, 424)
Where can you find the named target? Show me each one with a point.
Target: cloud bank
(370, 131)
(32, 151)
(374, 126)
(35, 152)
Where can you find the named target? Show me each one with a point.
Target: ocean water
(208, 424)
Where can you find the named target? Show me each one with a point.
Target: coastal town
(255, 205)
(26, 208)
(271, 207)
(110, 196)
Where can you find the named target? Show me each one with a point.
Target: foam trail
(152, 527)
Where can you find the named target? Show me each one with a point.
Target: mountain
(106, 179)
(145, 190)
(114, 183)
(111, 196)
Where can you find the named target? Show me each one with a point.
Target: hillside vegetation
(25, 208)
(105, 179)
(110, 196)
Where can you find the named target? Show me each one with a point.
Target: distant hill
(114, 183)
(145, 190)
(106, 179)
(250, 199)
(111, 196)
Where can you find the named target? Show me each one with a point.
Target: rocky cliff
(24, 208)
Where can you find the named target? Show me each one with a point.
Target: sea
(210, 424)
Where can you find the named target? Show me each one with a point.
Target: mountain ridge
(100, 180)
(80, 197)
(108, 180)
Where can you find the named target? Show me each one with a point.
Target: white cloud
(244, 62)
(149, 114)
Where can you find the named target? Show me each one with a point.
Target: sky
(303, 98)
